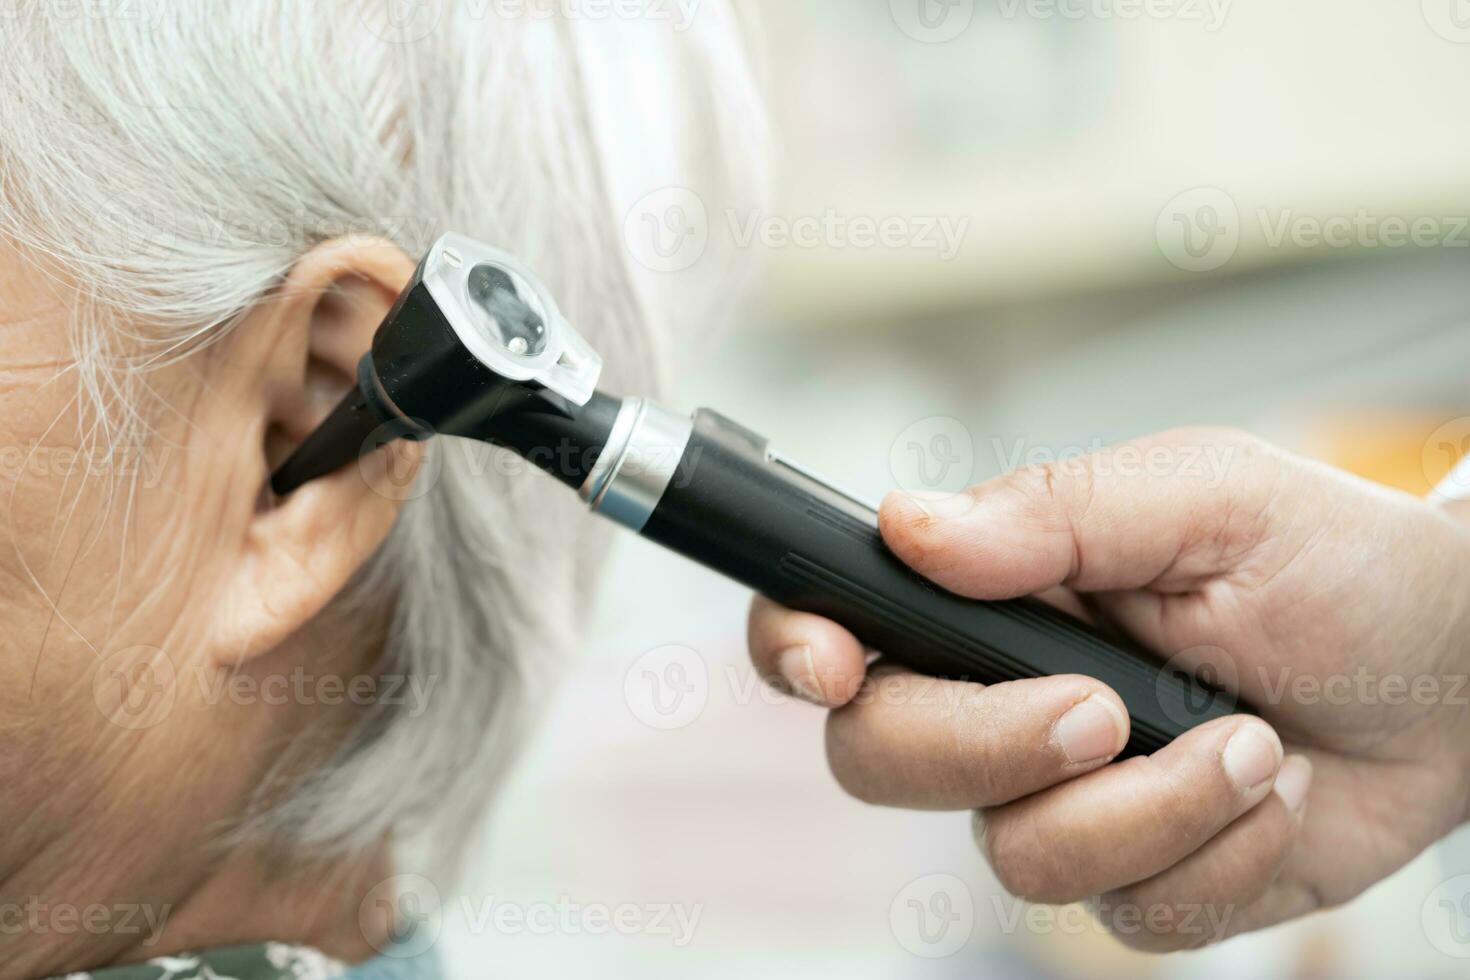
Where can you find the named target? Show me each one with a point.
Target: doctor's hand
(1339, 609)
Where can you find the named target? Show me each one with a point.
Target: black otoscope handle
(746, 513)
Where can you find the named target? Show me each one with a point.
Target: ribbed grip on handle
(737, 509)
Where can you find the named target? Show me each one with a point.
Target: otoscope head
(505, 317)
(473, 338)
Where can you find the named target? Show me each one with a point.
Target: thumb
(1165, 512)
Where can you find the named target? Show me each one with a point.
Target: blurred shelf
(1061, 141)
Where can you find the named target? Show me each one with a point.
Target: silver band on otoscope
(634, 469)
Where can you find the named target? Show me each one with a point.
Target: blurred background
(1002, 230)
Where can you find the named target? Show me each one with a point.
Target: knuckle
(1015, 855)
(846, 757)
(1142, 920)
(1044, 490)
(1186, 813)
(993, 765)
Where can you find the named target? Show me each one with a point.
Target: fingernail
(1251, 756)
(796, 665)
(1293, 781)
(945, 507)
(1091, 730)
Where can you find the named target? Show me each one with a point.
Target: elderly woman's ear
(273, 379)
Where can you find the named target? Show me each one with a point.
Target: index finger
(805, 655)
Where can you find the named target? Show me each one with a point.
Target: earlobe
(297, 553)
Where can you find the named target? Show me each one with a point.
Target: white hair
(176, 159)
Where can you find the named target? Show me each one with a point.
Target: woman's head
(206, 209)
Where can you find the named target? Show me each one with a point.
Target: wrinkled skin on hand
(1336, 607)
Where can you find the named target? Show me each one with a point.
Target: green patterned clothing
(264, 961)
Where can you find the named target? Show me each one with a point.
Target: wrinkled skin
(136, 582)
(1336, 607)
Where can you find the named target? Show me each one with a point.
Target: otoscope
(475, 347)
